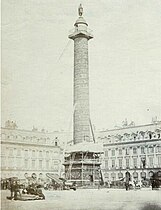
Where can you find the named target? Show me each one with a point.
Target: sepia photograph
(80, 105)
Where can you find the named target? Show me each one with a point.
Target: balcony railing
(74, 30)
(88, 161)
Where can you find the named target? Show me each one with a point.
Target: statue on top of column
(80, 10)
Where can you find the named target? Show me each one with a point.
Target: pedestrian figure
(18, 188)
(2, 184)
(127, 180)
(5, 185)
(13, 190)
(135, 183)
(99, 185)
(40, 193)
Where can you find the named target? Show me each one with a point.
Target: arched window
(142, 150)
(135, 174)
(127, 151)
(127, 162)
(3, 136)
(113, 176)
(120, 163)
(40, 153)
(47, 154)
(107, 175)
(106, 164)
(159, 174)
(113, 163)
(120, 151)
(33, 176)
(120, 175)
(143, 175)
(26, 175)
(134, 150)
(26, 152)
(159, 161)
(33, 153)
(113, 152)
(47, 164)
(158, 149)
(11, 137)
(18, 152)
(135, 162)
(151, 173)
(40, 175)
(10, 151)
(106, 153)
(40, 164)
(151, 149)
(151, 161)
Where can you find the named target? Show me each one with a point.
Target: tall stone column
(81, 125)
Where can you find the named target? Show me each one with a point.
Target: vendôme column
(81, 129)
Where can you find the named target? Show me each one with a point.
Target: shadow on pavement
(151, 207)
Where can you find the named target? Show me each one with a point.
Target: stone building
(136, 148)
(25, 152)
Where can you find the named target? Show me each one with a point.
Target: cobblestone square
(88, 199)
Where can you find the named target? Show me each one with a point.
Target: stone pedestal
(83, 168)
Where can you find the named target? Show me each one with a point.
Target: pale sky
(37, 61)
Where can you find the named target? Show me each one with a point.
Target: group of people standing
(5, 184)
(15, 189)
(20, 191)
(11, 185)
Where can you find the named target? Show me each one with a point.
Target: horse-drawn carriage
(59, 183)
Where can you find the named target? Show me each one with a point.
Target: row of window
(33, 164)
(41, 165)
(135, 163)
(33, 153)
(143, 150)
(120, 175)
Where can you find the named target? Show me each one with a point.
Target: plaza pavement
(89, 199)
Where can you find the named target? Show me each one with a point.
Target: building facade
(24, 152)
(136, 148)
(133, 148)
